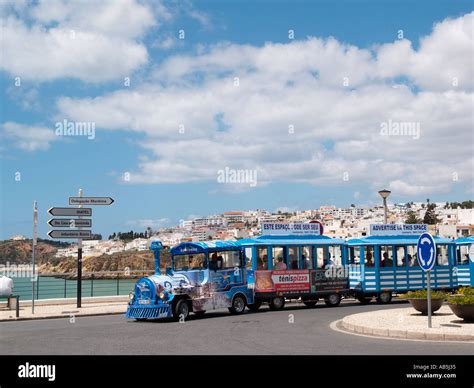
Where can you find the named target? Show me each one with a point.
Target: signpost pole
(79, 264)
(428, 296)
(35, 238)
(426, 250)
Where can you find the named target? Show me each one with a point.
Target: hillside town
(337, 222)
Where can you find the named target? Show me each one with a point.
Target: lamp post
(384, 194)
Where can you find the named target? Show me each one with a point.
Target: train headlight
(163, 295)
(131, 296)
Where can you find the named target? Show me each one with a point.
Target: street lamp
(384, 194)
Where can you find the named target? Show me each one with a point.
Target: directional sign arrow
(90, 201)
(70, 222)
(70, 211)
(72, 233)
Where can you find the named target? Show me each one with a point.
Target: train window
(354, 255)
(442, 254)
(412, 260)
(262, 258)
(307, 257)
(278, 253)
(293, 258)
(369, 256)
(462, 253)
(335, 255)
(186, 262)
(400, 252)
(386, 254)
(230, 259)
(320, 257)
(249, 256)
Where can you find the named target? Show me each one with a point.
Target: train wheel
(181, 310)
(255, 306)
(277, 303)
(238, 305)
(333, 300)
(384, 297)
(364, 299)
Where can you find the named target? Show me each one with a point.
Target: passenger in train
(262, 262)
(280, 265)
(306, 262)
(293, 262)
(328, 261)
(387, 261)
(213, 262)
(370, 261)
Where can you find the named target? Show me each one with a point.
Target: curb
(57, 316)
(66, 301)
(402, 334)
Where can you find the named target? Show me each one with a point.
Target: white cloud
(292, 118)
(165, 43)
(152, 223)
(442, 58)
(91, 41)
(29, 138)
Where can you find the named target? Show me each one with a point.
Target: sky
(179, 109)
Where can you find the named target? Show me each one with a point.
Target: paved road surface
(265, 332)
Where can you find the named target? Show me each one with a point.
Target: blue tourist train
(295, 261)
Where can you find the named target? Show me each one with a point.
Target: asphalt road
(294, 330)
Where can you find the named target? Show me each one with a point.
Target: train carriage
(203, 276)
(282, 267)
(383, 265)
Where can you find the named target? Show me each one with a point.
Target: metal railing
(53, 285)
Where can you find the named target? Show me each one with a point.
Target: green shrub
(464, 296)
(462, 299)
(422, 294)
(466, 291)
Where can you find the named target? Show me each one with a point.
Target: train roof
(204, 246)
(465, 240)
(384, 240)
(290, 240)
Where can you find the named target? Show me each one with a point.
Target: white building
(18, 237)
(139, 244)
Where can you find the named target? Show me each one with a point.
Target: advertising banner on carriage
(282, 281)
(291, 229)
(328, 280)
(398, 229)
(286, 281)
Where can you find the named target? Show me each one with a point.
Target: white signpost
(71, 233)
(35, 240)
(70, 211)
(70, 222)
(78, 223)
(91, 201)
